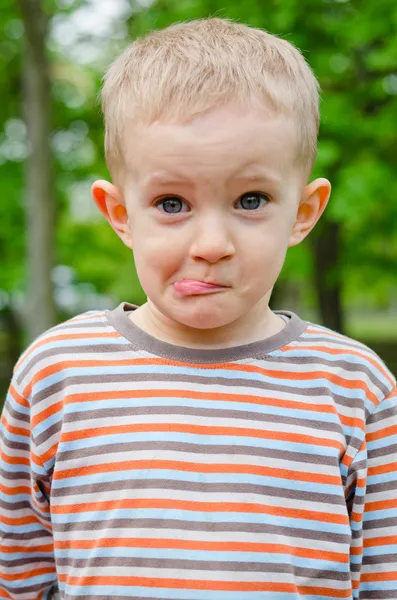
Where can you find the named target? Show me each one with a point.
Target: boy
(202, 446)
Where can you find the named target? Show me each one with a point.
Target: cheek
(265, 255)
(155, 257)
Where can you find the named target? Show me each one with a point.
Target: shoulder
(345, 357)
(81, 336)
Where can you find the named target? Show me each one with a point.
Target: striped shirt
(135, 469)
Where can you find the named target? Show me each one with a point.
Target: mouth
(193, 287)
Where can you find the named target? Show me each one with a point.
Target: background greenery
(344, 276)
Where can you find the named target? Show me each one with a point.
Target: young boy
(201, 446)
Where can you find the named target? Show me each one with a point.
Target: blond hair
(189, 68)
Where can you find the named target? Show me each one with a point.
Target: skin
(213, 169)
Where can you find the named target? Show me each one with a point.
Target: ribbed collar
(142, 341)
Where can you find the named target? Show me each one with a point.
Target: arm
(374, 509)
(27, 568)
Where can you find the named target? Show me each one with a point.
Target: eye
(253, 200)
(172, 205)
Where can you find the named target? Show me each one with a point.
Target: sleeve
(374, 506)
(27, 568)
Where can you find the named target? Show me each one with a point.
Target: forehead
(224, 143)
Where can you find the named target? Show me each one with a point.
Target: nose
(212, 240)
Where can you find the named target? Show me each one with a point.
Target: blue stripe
(203, 440)
(388, 440)
(200, 517)
(253, 406)
(343, 355)
(59, 344)
(210, 556)
(23, 439)
(208, 372)
(22, 528)
(380, 550)
(372, 586)
(27, 581)
(132, 475)
(18, 408)
(388, 513)
(383, 477)
(47, 423)
(175, 594)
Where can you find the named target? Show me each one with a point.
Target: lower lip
(191, 287)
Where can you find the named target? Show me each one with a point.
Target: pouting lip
(214, 283)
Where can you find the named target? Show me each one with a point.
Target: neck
(259, 324)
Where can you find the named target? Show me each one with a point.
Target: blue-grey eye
(252, 200)
(171, 204)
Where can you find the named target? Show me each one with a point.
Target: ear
(312, 205)
(111, 204)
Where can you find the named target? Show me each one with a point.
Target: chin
(204, 319)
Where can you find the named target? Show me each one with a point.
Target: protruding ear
(312, 205)
(111, 204)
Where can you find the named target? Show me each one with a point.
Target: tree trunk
(40, 213)
(326, 242)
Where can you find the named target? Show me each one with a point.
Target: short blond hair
(188, 68)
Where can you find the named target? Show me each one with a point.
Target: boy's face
(215, 200)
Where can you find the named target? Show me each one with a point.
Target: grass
(375, 327)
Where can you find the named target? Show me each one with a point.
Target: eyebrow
(175, 179)
(256, 174)
(160, 179)
(264, 177)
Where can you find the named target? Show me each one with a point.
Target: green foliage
(351, 46)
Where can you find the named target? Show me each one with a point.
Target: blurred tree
(40, 196)
(352, 47)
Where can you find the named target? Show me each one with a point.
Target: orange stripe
(191, 394)
(347, 459)
(195, 430)
(382, 433)
(316, 331)
(70, 364)
(381, 469)
(197, 584)
(380, 541)
(216, 507)
(209, 546)
(380, 576)
(18, 398)
(27, 549)
(381, 505)
(350, 351)
(11, 491)
(46, 413)
(17, 522)
(65, 336)
(49, 455)
(290, 375)
(27, 574)
(20, 460)
(356, 550)
(15, 460)
(355, 516)
(79, 318)
(15, 430)
(55, 368)
(174, 465)
(134, 393)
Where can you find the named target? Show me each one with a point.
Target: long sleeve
(373, 483)
(27, 569)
